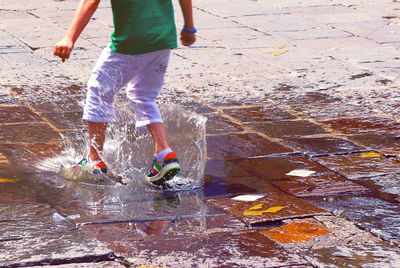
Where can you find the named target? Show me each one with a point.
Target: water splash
(130, 154)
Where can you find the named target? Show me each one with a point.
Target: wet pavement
(296, 165)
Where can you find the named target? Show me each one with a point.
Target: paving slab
(284, 128)
(217, 124)
(360, 165)
(269, 112)
(239, 248)
(269, 208)
(373, 214)
(30, 236)
(359, 125)
(247, 145)
(323, 145)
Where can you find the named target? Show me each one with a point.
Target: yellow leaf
(274, 209)
(276, 52)
(257, 206)
(260, 212)
(253, 212)
(372, 154)
(280, 46)
(8, 180)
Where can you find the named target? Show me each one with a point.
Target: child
(144, 32)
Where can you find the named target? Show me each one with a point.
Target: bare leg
(97, 136)
(157, 130)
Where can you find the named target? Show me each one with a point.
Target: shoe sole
(166, 174)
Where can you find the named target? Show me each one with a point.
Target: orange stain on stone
(296, 232)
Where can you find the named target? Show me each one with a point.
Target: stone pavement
(302, 100)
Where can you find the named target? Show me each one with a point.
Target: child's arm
(187, 38)
(81, 18)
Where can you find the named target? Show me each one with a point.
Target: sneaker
(164, 170)
(92, 168)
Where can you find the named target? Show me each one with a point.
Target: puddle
(130, 154)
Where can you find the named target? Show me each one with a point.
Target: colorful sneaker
(96, 169)
(164, 170)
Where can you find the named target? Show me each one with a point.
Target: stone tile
(384, 142)
(322, 146)
(31, 236)
(297, 231)
(360, 255)
(234, 38)
(237, 146)
(23, 155)
(334, 110)
(296, 97)
(138, 205)
(363, 125)
(272, 207)
(28, 133)
(321, 184)
(379, 217)
(219, 124)
(237, 248)
(259, 114)
(221, 168)
(64, 104)
(67, 120)
(284, 129)
(275, 168)
(360, 165)
(17, 114)
(302, 235)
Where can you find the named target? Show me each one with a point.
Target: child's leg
(107, 77)
(97, 136)
(157, 131)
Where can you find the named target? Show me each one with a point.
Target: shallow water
(129, 155)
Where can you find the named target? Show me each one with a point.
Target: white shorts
(143, 76)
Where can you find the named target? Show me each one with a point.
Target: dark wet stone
(355, 256)
(23, 156)
(378, 141)
(218, 124)
(220, 169)
(209, 248)
(62, 104)
(137, 206)
(28, 133)
(381, 218)
(359, 165)
(276, 168)
(31, 236)
(258, 114)
(303, 98)
(283, 129)
(236, 146)
(270, 208)
(324, 145)
(67, 120)
(17, 114)
(321, 184)
(363, 125)
(323, 111)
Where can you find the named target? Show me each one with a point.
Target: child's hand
(63, 48)
(187, 39)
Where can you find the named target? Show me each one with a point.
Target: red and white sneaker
(164, 170)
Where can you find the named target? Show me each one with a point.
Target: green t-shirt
(142, 26)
